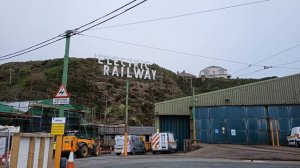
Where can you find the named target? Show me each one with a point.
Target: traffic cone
(70, 163)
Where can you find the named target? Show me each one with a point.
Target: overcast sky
(245, 34)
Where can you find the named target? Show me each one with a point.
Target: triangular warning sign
(62, 92)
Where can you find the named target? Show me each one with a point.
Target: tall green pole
(61, 108)
(126, 120)
(126, 110)
(194, 117)
(66, 64)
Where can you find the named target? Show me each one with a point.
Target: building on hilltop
(185, 74)
(214, 72)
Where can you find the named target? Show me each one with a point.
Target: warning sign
(58, 125)
(62, 96)
(62, 92)
(58, 129)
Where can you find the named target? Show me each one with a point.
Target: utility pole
(10, 76)
(105, 113)
(194, 117)
(126, 120)
(61, 108)
(192, 84)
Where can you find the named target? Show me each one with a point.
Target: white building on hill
(214, 72)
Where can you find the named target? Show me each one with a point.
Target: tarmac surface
(209, 155)
(246, 152)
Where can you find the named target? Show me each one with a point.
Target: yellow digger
(82, 147)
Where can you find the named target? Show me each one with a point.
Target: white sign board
(2, 145)
(133, 69)
(233, 132)
(61, 100)
(58, 120)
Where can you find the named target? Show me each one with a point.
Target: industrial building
(238, 115)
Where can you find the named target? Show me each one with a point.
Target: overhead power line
(190, 54)
(7, 55)
(74, 32)
(27, 51)
(251, 73)
(168, 50)
(267, 58)
(128, 9)
(266, 68)
(292, 62)
(279, 53)
(105, 15)
(183, 15)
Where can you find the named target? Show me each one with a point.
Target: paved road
(173, 161)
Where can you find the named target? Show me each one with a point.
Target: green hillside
(36, 80)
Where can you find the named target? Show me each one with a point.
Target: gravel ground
(246, 152)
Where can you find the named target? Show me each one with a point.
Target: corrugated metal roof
(285, 90)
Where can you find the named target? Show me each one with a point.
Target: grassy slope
(40, 80)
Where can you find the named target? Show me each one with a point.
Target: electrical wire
(272, 56)
(73, 32)
(287, 63)
(182, 15)
(32, 49)
(128, 9)
(105, 15)
(251, 73)
(22, 51)
(167, 50)
(266, 68)
(190, 54)
(279, 53)
(284, 67)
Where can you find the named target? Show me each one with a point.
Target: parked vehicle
(146, 143)
(163, 142)
(81, 146)
(134, 145)
(293, 137)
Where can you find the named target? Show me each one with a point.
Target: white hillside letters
(113, 67)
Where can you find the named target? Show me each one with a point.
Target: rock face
(36, 80)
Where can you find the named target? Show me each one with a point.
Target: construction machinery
(82, 147)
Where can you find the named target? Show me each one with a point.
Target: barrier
(31, 150)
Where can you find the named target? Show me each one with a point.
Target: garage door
(179, 125)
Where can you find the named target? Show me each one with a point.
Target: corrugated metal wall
(179, 125)
(278, 91)
(244, 124)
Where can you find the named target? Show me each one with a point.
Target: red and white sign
(62, 92)
(62, 96)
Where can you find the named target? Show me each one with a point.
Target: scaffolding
(38, 118)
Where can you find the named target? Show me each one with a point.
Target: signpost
(58, 125)
(62, 96)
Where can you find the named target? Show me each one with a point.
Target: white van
(163, 142)
(134, 145)
(293, 137)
